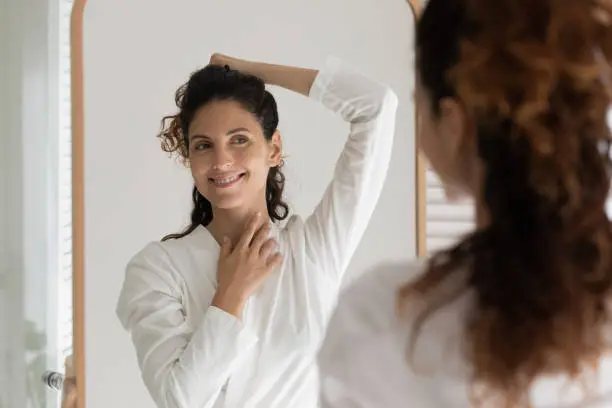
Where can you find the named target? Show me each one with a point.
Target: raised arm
(339, 221)
(182, 366)
(336, 226)
(295, 79)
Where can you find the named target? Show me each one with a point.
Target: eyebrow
(231, 132)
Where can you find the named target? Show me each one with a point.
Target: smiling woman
(226, 131)
(238, 324)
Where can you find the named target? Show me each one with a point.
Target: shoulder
(386, 275)
(158, 265)
(155, 256)
(375, 292)
(366, 339)
(292, 231)
(152, 251)
(150, 275)
(368, 305)
(294, 223)
(172, 250)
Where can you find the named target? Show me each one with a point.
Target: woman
(516, 314)
(231, 312)
(69, 397)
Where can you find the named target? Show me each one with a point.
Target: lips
(226, 180)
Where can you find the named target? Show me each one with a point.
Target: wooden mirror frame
(421, 168)
(78, 191)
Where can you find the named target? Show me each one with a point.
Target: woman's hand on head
(295, 79)
(245, 266)
(246, 67)
(222, 60)
(69, 390)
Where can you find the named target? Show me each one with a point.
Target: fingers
(274, 261)
(216, 58)
(69, 398)
(267, 248)
(226, 247)
(247, 236)
(260, 237)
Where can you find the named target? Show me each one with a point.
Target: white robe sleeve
(182, 366)
(334, 229)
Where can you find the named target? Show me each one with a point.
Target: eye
(240, 139)
(201, 146)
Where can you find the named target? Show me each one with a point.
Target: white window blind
(65, 184)
(445, 222)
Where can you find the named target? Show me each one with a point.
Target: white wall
(136, 54)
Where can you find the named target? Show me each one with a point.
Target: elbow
(389, 96)
(168, 398)
(164, 391)
(383, 106)
(173, 393)
(172, 390)
(389, 100)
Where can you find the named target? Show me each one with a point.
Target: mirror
(36, 266)
(128, 60)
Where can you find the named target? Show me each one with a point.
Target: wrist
(232, 302)
(223, 60)
(257, 69)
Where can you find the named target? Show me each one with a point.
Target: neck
(232, 223)
(482, 216)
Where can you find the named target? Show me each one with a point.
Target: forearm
(230, 302)
(182, 371)
(185, 360)
(295, 79)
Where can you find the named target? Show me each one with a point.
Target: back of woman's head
(216, 83)
(531, 77)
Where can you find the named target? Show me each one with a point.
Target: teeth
(225, 180)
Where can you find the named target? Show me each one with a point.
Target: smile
(226, 181)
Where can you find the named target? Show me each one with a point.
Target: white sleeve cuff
(228, 323)
(324, 78)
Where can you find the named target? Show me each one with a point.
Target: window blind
(445, 222)
(65, 184)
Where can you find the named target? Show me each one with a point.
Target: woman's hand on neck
(232, 223)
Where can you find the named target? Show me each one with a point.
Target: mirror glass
(136, 54)
(36, 206)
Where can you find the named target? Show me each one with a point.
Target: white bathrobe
(194, 355)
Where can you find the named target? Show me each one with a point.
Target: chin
(227, 203)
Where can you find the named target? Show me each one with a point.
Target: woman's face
(444, 138)
(229, 155)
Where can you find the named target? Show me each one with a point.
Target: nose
(222, 158)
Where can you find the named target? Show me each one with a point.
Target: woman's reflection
(69, 390)
(231, 311)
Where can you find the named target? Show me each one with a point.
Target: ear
(452, 126)
(276, 149)
(455, 127)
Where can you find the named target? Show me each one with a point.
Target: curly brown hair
(213, 83)
(532, 76)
